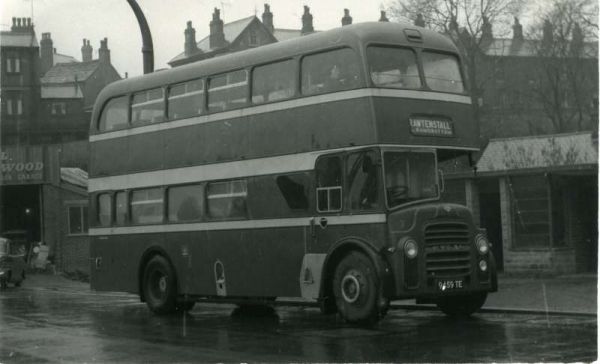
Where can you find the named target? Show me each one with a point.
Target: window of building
(274, 81)
(329, 184)
(186, 99)
(114, 114)
(330, 71)
(147, 206)
(393, 67)
(121, 208)
(13, 65)
(228, 91)
(14, 104)
(442, 72)
(227, 199)
(530, 211)
(104, 209)
(253, 39)
(78, 220)
(58, 108)
(363, 172)
(148, 107)
(185, 203)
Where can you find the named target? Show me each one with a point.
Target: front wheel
(356, 289)
(462, 305)
(160, 286)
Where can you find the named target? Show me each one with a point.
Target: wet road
(44, 325)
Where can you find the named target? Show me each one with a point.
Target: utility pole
(147, 47)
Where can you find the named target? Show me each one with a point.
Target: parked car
(12, 262)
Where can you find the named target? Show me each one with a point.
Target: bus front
(423, 115)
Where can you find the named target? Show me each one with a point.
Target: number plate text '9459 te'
(450, 285)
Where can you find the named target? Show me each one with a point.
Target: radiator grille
(447, 250)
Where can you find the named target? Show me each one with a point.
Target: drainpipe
(147, 47)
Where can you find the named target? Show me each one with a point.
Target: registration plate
(446, 285)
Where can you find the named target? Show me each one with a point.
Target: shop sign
(23, 165)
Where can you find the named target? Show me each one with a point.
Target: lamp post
(147, 47)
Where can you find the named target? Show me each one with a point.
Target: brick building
(47, 99)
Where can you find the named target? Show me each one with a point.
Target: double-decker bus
(306, 168)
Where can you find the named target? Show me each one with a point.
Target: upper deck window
(148, 106)
(393, 67)
(186, 99)
(228, 91)
(273, 82)
(330, 71)
(114, 114)
(442, 72)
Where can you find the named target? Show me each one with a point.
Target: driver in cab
(396, 182)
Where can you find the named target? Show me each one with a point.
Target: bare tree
(566, 79)
(468, 23)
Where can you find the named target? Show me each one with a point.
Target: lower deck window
(147, 206)
(227, 199)
(185, 203)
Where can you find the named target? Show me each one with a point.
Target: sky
(69, 21)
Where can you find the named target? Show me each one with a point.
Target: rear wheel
(464, 306)
(356, 289)
(160, 286)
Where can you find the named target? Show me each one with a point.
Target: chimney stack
(517, 31)
(217, 37)
(22, 25)
(307, 22)
(347, 19)
(267, 18)
(383, 17)
(190, 47)
(104, 52)
(419, 21)
(47, 53)
(86, 51)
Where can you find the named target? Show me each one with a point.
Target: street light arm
(147, 47)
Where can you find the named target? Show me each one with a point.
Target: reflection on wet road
(38, 325)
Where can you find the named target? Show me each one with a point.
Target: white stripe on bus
(229, 170)
(285, 105)
(239, 225)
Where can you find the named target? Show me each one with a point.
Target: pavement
(568, 294)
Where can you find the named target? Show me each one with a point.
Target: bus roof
(350, 36)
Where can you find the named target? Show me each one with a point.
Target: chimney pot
(46, 53)
(307, 21)
(190, 47)
(347, 19)
(217, 37)
(383, 17)
(267, 19)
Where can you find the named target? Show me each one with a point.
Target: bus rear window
(330, 71)
(442, 72)
(147, 206)
(393, 67)
(186, 99)
(228, 91)
(148, 106)
(114, 114)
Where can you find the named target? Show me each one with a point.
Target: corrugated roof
(68, 91)
(13, 39)
(231, 30)
(544, 151)
(74, 176)
(68, 72)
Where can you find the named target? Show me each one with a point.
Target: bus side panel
(120, 256)
(373, 234)
(393, 114)
(302, 129)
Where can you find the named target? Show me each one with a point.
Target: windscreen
(409, 176)
(442, 72)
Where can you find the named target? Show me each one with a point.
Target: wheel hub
(162, 284)
(350, 288)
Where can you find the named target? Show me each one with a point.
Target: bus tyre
(356, 289)
(462, 306)
(160, 286)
